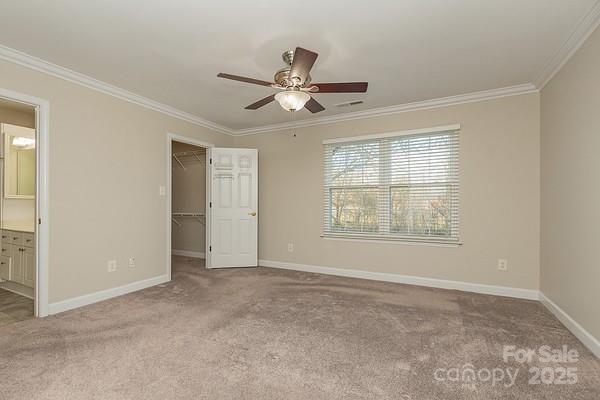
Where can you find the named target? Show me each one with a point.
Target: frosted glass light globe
(292, 100)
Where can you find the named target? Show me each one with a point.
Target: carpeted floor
(272, 334)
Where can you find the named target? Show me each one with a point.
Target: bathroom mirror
(19, 164)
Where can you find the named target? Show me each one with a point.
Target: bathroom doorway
(18, 140)
(24, 222)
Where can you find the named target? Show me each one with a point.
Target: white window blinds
(401, 186)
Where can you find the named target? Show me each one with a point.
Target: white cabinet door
(28, 262)
(4, 268)
(17, 273)
(6, 253)
(234, 206)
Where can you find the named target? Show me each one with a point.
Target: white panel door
(233, 208)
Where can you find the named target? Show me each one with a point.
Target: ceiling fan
(294, 81)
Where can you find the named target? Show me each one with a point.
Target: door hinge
(210, 204)
(210, 161)
(39, 221)
(209, 248)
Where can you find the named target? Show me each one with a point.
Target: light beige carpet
(273, 334)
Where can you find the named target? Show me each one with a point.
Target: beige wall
(499, 190)
(18, 210)
(107, 160)
(17, 118)
(189, 195)
(570, 143)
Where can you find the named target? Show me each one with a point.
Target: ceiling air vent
(349, 103)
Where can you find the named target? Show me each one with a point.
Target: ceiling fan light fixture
(296, 81)
(292, 100)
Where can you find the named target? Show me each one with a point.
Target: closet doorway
(187, 200)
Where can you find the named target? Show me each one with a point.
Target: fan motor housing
(282, 76)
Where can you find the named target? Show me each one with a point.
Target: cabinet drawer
(28, 239)
(6, 249)
(15, 237)
(5, 267)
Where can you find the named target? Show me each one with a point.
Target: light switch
(502, 264)
(162, 190)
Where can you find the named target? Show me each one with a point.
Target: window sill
(405, 241)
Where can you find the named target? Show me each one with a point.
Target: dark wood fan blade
(343, 87)
(244, 79)
(314, 106)
(261, 103)
(302, 63)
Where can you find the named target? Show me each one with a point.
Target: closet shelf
(200, 217)
(184, 157)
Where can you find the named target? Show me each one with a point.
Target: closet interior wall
(188, 200)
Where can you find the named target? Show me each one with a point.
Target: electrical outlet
(112, 266)
(502, 264)
(291, 247)
(162, 191)
(131, 262)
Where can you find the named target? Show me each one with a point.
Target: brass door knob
(253, 214)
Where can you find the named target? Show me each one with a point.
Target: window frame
(385, 188)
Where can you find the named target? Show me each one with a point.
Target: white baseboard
(584, 336)
(76, 302)
(408, 279)
(188, 253)
(17, 288)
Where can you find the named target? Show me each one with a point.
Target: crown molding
(378, 112)
(26, 60)
(17, 57)
(584, 29)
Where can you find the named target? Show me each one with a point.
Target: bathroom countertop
(21, 226)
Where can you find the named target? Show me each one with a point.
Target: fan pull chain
(292, 123)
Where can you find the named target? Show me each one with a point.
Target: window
(395, 186)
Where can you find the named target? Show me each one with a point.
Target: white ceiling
(408, 50)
